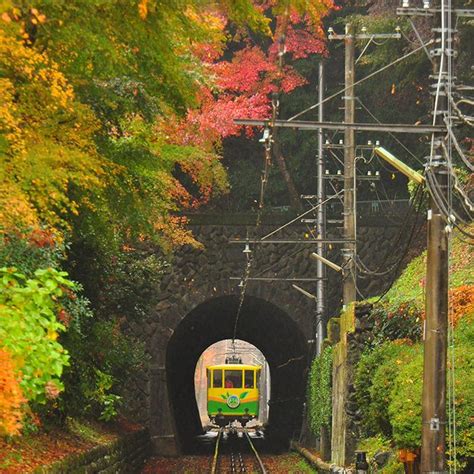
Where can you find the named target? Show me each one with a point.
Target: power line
(378, 71)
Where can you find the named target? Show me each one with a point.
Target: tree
(250, 73)
(88, 86)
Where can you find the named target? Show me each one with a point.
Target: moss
(410, 286)
(319, 391)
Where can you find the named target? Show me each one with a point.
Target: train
(233, 392)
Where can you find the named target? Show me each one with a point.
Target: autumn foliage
(244, 83)
(461, 303)
(11, 396)
(111, 125)
(113, 113)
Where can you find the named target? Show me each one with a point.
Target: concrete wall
(354, 331)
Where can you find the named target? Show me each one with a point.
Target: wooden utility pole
(349, 285)
(343, 440)
(433, 449)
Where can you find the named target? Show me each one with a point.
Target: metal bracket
(434, 424)
(440, 51)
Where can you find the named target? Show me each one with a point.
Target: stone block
(164, 446)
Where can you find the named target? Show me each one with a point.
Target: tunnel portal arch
(262, 324)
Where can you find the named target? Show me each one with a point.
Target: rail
(257, 456)
(216, 452)
(236, 460)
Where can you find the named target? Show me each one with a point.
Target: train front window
(257, 378)
(217, 378)
(249, 378)
(233, 379)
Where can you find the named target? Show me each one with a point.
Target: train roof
(234, 366)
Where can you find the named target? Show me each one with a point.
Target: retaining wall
(124, 455)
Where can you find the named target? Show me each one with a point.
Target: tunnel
(260, 323)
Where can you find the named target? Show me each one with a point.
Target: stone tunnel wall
(199, 275)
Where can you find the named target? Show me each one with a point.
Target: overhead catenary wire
(391, 134)
(268, 142)
(369, 76)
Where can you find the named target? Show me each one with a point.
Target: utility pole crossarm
(358, 127)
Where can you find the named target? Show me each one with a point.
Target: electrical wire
(391, 251)
(369, 76)
(268, 141)
(459, 149)
(391, 134)
(414, 230)
(448, 153)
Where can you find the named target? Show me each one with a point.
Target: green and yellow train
(233, 393)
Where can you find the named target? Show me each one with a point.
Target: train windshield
(233, 379)
(217, 378)
(249, 378)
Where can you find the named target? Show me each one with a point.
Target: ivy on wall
(319, 391)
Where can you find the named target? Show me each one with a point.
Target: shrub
(405, 402)
(67, 356)
(29, 329)
(379, 444)
(374, 380)
(130, 282)
(319, 391)
(102, 359)
(389, 383)
(30, 251)
(11, 396)
(403, 323)
(463, 391)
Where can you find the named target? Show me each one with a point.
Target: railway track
(234, 453)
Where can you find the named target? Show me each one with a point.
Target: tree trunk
(280, 159)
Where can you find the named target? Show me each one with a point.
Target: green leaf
(243, 395)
